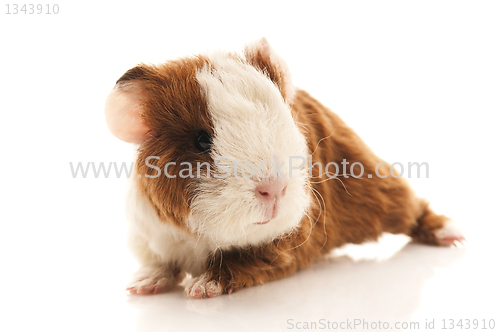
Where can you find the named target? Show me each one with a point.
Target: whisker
(347, 191)
(336, 178)
(317, 144)
(314, 191)
(324, 217)
(333, 177)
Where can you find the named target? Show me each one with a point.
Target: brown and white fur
(241, 231)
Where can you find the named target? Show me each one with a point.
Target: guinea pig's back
(350, 209)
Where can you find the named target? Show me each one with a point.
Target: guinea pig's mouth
(262, 223)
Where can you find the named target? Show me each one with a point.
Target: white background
(419, 81)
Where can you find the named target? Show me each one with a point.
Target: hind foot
(450, 234)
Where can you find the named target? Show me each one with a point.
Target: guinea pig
(234, 180)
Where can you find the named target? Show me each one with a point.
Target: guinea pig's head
(219, 153)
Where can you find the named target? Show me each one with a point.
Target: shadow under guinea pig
(374, 282)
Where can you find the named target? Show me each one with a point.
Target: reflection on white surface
(386, 282)
(413, 285)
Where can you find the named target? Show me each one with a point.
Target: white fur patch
(252, 124)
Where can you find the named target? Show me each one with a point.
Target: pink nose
(270, 191)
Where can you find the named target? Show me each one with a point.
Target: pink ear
(260, 54)
(123, 111)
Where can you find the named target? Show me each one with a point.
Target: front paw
(206, 286)
(150, 286)
(153, 280)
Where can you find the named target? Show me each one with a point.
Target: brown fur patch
(174, 111)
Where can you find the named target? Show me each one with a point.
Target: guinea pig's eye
(202, 141)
